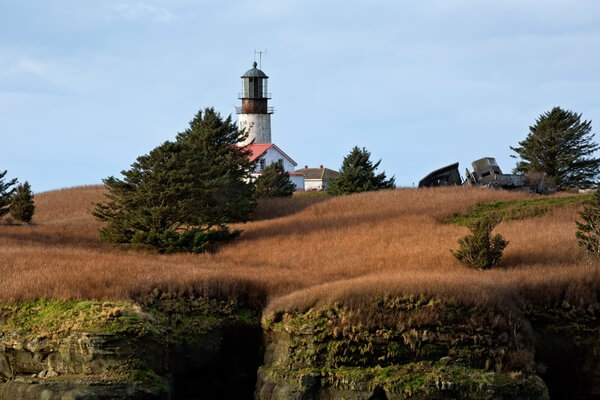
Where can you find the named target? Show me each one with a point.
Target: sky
(87, 86)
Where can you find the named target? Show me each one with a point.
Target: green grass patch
(516, 209)
(41, 317)
(420, 379)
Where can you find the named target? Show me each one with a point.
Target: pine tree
(274, 182)
(560, 146)
(358, 175)
(6, 194)
(181, 195)
(479, 249)
(22, 206)
(588, 231)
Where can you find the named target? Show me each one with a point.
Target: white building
(268, 154)
(317, 179)
(255, 116)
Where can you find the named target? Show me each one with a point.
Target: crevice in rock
(568, 369)
(221, 365)
(378, 394)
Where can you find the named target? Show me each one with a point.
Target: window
(262, 163)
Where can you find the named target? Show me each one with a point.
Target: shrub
(358, 175)
(274, 182)
(479, 249)
(588, 231)
(22, 206)
(6, 193)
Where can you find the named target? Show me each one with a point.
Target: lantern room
(254, 93)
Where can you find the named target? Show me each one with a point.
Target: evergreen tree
(479, 249)
(22, 206)
(6, 194)
(588, 231)
(560, 146)
(274, 182)
(181, 195)
(358, 175)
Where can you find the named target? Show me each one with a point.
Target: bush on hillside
(274, 182)
(588, 231)
(22, 206)
(358, 175)
(6, 193)
(479, 249)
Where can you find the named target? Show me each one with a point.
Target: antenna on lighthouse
(260, 53)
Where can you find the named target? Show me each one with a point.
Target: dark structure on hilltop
(446, 176)
(486, 173)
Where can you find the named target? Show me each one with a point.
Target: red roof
(260, 149)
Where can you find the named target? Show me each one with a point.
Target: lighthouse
(255, 113)
(254, 116)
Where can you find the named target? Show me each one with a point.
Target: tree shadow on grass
(284, 206)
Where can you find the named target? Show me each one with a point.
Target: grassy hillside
(305, 251)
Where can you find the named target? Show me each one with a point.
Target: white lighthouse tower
(255, 114)
(255, 117)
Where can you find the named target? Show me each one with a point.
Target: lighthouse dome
(254, 73)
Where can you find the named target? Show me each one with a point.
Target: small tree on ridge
(358, 175)
(560, 146)
(6, 194)
(588, 231)
(22, 206)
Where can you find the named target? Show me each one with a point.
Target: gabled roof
(260, 149)
(324, 174)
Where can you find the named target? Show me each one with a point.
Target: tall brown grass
(307, 251)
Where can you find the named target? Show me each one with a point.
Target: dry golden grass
(302, 252)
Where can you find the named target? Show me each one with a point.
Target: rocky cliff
(173, 347)
(406, 348)
(184, 347)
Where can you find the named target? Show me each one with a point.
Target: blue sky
(86, 86)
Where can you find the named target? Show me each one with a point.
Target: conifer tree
(588, 231)
(6, 193)
(479, 249)
(358, 175)
(274, 182)
(22, 205)
(561, 147)
(182, 195)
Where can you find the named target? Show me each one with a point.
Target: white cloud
(140, 10)
(31, 66)
(27, 71)
(18, 66)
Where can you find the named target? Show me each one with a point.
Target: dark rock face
(567, 350)
(446, 352)
(224, 366)
(175, 348)
(179, 349)
(36, 389)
